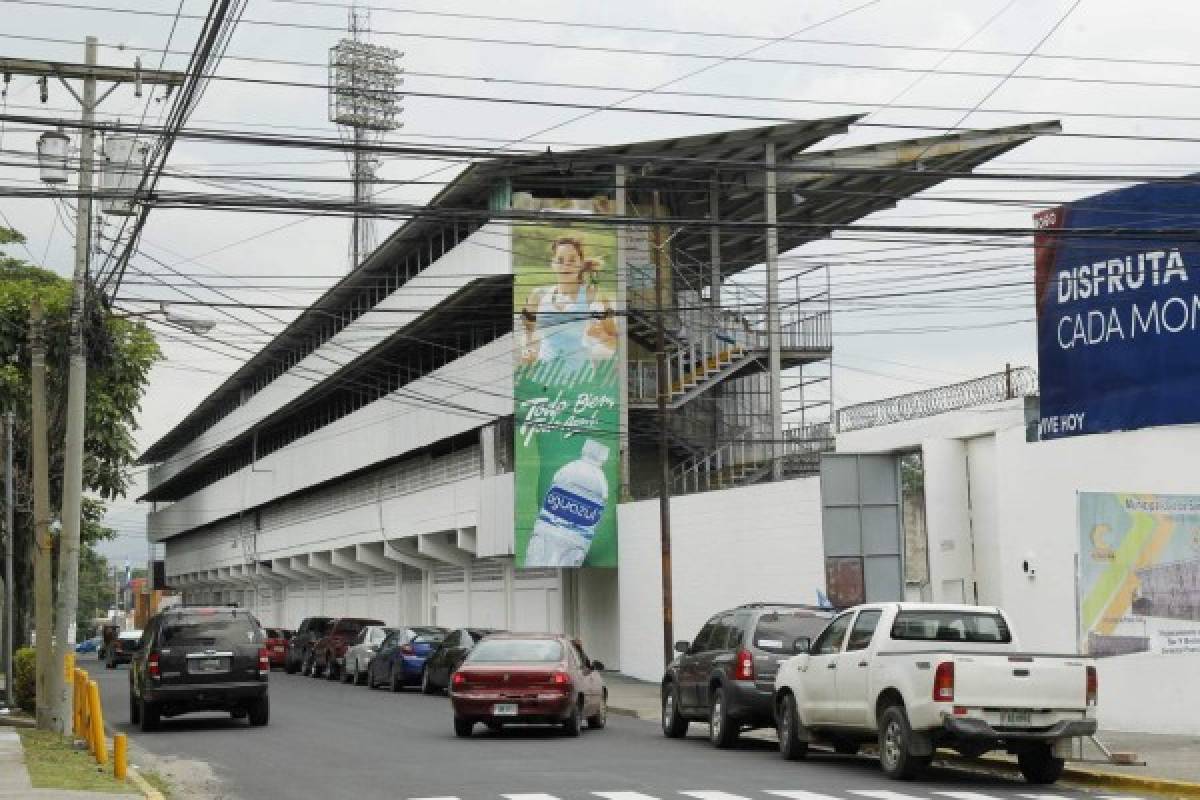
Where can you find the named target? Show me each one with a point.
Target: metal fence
(994, 388)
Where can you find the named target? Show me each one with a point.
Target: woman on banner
(573, 319)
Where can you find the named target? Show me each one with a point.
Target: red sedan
(276, 645)
(538, 679)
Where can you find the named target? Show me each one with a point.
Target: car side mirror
(802, 645)
(596, 665)
(682, 647)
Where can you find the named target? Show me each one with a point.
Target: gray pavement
(329, 740)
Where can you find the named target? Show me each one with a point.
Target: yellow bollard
(77, 705)
(97, 720)
(119, 756)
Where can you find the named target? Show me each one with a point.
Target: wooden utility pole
(43, 557)
(10, 543)
(89, 73)
(664, 464)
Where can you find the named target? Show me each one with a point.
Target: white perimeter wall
(758, 543)
(994, 500)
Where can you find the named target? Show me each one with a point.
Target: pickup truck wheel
(462, 727)
(348, 674)
(306, 665)
(1039, 765)
(788, 728)
(290, 666)
(674, 724)
(331, 668)
(895, 746)
(722, 731)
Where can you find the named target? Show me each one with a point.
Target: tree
(120, 353)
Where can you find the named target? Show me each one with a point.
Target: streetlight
(196, 325)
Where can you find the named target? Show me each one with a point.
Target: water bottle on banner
(570, 512)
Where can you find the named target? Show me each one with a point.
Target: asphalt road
(329, 740)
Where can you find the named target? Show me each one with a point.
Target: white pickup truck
(918, 676)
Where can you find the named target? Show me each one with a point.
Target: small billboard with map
(1139, 573)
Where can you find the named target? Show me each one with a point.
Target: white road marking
(1045, 796)
(880, 794)
(625, 796)
(530, 796)
(967, 795)
(796, 794)
(701, 794)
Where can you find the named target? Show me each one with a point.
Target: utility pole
(10, 541)
(43, 557)
(72, 501)
(664, 465)
(774, 339)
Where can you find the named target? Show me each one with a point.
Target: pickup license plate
(504, 710)
(278, 649)
(1016, 719)
(207, 665)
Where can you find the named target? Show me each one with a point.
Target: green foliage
(120, 353)
(25, 678)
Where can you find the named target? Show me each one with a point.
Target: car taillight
(943, 683)
(560, 679)
(743, 668)
(1093, 686)
(152, 666)
(264, 663)
(458, 680)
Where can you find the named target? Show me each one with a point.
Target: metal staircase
(746, 460)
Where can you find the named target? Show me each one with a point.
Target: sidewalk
(1169, 759)
(14, 778)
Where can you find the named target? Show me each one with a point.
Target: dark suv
(199, 659)
(329, 652)
(727, 675)
(299, 647)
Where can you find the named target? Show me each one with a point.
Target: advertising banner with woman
(567, 400)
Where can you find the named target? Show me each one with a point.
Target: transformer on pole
(364, 101)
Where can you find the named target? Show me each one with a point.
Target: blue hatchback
(400, 660)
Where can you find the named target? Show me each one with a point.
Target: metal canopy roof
(819, 192)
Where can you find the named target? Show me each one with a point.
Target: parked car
(120, 650)
(200, 659)
(448, 656)
(917, 676)
(91, 645)
(726, 675)
(329, 652)
(359, 656)
(300, 646)
(277, 645)
(528, 679)
(401, 656)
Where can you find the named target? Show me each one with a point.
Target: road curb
(148, 791)
(1091, 777)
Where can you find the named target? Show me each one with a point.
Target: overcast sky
(888, 348)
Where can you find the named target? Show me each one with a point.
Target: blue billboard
(1118, 310)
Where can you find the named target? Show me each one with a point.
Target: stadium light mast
(364, 101)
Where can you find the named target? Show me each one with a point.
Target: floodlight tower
(364, 101)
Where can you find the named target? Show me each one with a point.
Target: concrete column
(714, 240)
(771, 235)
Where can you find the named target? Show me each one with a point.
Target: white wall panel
(485, 252)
